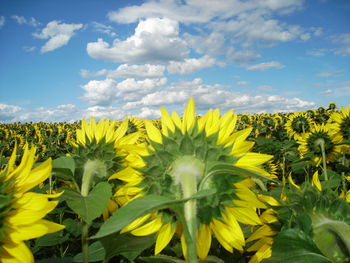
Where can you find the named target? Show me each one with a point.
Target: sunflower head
(298, 125)
(22, 211)
(192, 154)
(318, 135)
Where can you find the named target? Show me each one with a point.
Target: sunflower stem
(85, 241)
(324, 159)
(91, 168)
(187, 171)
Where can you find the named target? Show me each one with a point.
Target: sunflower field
(214, 188)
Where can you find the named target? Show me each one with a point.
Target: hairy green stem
(187, 171)
(92, 168)
(85, 241)
(324, 160)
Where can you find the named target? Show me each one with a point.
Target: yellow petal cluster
(24, 220)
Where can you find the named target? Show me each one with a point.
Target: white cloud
(155, 40)
(108, 91)
(22, 20)
(344, 41)
(99, 112)
(211, 44)
(265, 66)
(190, 65)
(100, 92)
(2, 21)
(337, 92)
(7, 112)
(147, 113)
(198, 11)
(256, 27)
(213, 96)
(67, 112)
(58, 34)
(241, 56)
(128, 71)
(102, 28)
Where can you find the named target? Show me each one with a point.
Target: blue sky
(66, 60)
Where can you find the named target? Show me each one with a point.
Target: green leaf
(51, 240)
(294, 246)
(332, 237)
(64, 166)
(133, 210)
(125, 244)
(234, 170)
(72, 226)
(96, 253)
(140, 207)
(91, 206)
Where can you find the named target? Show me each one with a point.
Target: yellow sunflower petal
(167, 122)
(189, 116)
(16, 253)
(152, 132)
(316, 181)
(149, 228)
(203, 241)
(166, 233)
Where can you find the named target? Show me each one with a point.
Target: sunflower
(179, 161)
(320, 134)
(136, 125)
(104, 141)
(263, 237)
(298, 124)
(108, 144)
(22, 211)
(341, 123)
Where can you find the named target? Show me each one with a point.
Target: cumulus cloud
(105, 92)
(2, 21)
(265, 66)
(100, 92)
(190, 65)
(107, 112)
(58, 34)
(128, 71)
(156, 40)
(22, 20)
(60, 113)
(8, 112)
(213, 96)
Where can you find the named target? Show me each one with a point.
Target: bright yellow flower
(311, 143)
(298, 125)
(197, 144)
(22, 211)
